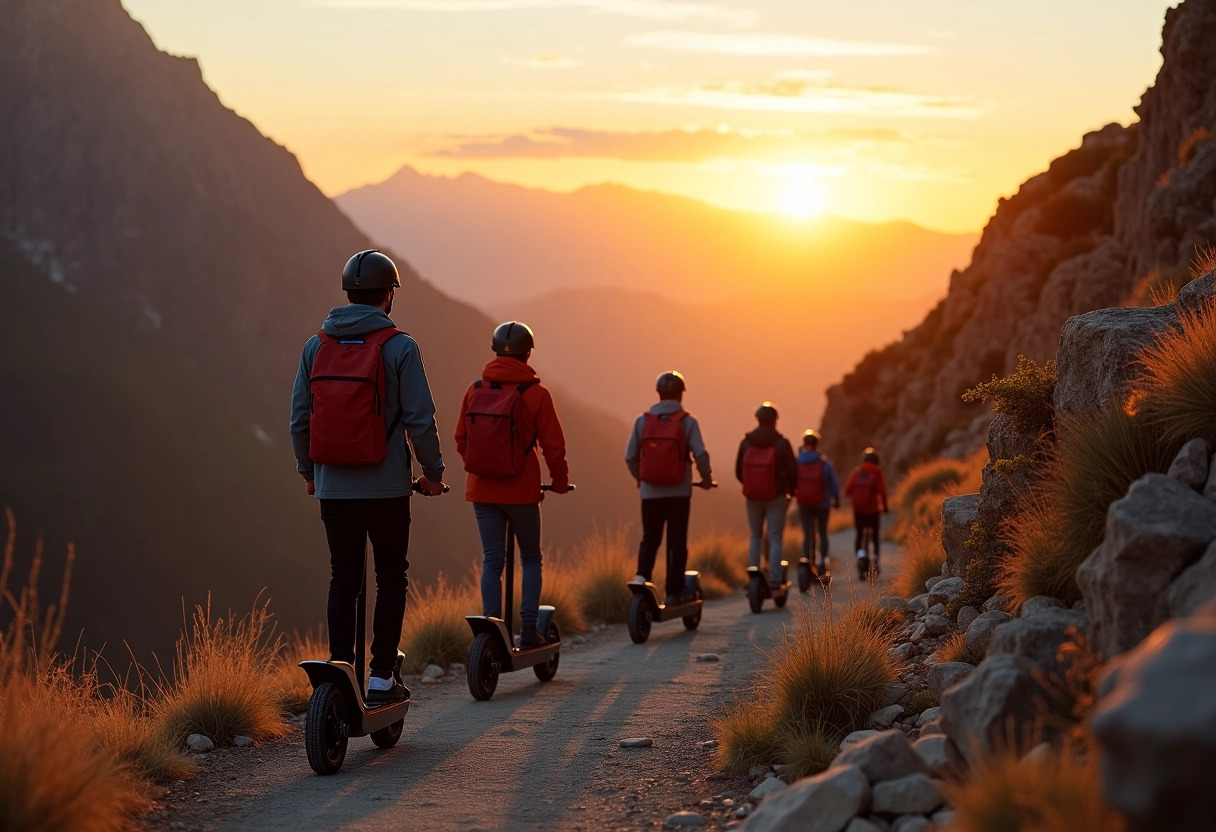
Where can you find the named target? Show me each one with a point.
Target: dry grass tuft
(603, 565)
(747, 736)
(1093, 464)
(221, 685)
(807, 750)
(712, 588)
(720, 556)
(923, 700)
(921, 558)
(953, 649)
(295, 689)
(925, 487)
(435, 631)
(1177, 389)
(1059, 794)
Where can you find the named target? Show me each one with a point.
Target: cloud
(661, 10)
(792, 95)
(544, 62)
(697, 145)
(760, 44)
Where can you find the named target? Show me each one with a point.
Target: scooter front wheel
(755, 594)
(387, 737)
(325, 728)
(692, 622)
(641, 614)
(483, 667)
(804, 577)
(548, 670)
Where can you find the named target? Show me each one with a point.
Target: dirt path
(536, 756)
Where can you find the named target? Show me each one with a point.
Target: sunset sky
(924, 110)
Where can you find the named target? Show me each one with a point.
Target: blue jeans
(770, 512)
(492, 521)
(815, 524)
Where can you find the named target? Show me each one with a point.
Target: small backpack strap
(523, 386)
(477, 385)
(381, 336)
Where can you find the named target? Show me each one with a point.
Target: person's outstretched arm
(696, 444)
(633, 450)
(552, 441)
(418, 413)
(739, 461)
(829, 476)
(300, 412)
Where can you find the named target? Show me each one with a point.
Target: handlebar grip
(417, 487)
(549, 487)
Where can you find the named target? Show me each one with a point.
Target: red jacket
(875, 498)
(540, 413)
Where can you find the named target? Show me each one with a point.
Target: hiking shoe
(395, 692)
(529, 638)
(637, 580)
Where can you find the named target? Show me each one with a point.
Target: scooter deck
(677, 610)
(364, 720)
(513, 658)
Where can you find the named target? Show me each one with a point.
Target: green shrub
(1025, 394)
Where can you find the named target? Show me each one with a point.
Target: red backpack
(760, 473)
(865, 489)
(664, 449)
(811, 491)
(346, 389)
(497, 439)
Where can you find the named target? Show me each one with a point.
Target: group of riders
(361, 392)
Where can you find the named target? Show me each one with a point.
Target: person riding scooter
(360, 392)
(867, 489)
(504, 416)
(665, 442)
(766, 467)
(817, 492)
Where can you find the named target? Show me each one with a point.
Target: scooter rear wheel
(325, 731)
(755, 594)
(484, 663)
(692, 622)
(641, 614)
(804, 577)
(387, 737)
(548, 670)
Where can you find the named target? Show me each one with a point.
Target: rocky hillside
(188, 259)
(1129, 205)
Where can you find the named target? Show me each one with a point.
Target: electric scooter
(338, 710)
(494, 650)
(758, 587)
(646, 606)
(867, 567)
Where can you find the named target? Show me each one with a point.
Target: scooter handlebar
(704, 484)
(549, 487)
(417, 486)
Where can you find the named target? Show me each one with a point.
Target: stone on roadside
(1190, 465)
(919, 632)
(1038, 637)
(944, 591)
(942, 818)
(933, 726)
(743, 811)
(940, 754)
(856, 737)
(896, 694)
(917, 603)
(965, 616)
(936, 625)
(708, 657)
(927, 716)
(929, 582)
(937, 609)
(915, 794)
(637, 742)
(958, 513)
(759, 772)
(242, 742)
(823, 803)
(1002, 699)
(1155, 724)
(892, 602)
(770, 785)
(903, 652)
(1041, 603)
(979, 633)
(884, 756)
(996, 602)
(199, 744)
(911, 823)
(944, 675)
(433, 671)
(1152, 534)
(1195, 586)
(684, 819)
(884, 717)
(863, 825)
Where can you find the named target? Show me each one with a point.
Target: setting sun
(802, 197)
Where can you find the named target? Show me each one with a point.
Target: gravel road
(537, 755)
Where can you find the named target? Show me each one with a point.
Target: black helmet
(870, 455)
(810, 437)
(513, 338)
(370, 270)
(670, 382)
(766, 414)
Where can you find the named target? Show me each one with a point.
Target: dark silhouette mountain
(1105, 222)
(496, 244)
(163, 263)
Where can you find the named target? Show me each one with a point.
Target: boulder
(1152, 534)
(958, 513)
(199, 743)
(915, 794)
(940, 754)
(927, 716)
(998, 705)
(996, 602)
(936, 625)
(1039, 603)
(1039, 637)
(770, 786)
(1155, 724)
(885, 756)
(863, 825)
(937, 609)
(980, 632)
(1003, 494)
(931, 581)
(917, 603)
(892, 602)
(911, 823)
(944, 675)
(1195, 586)
(884, 717)
(902, 651)
(933, 726)
(1190, 465)
(684, 819)
(896, 694)
(1209, 487)
(857, 737)
(944, 592)
(965, 616)
(823, 803)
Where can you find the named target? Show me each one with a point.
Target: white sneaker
(638, 580)
(861, 553)
(377, 683)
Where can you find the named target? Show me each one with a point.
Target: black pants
(349, 524)
(671, 512)
(863, 521)
(815, 524)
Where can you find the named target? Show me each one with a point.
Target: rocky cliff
(1128, 204)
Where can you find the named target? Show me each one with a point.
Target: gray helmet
(670, 382)
(766, 414)
(513, 338)
(870, 455)
(370, 269)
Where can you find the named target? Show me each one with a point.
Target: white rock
(940, 754)
(927, 716)
(707, 657)
(856, 737)
(242, 742)
(823, 803)
(884, 717)
(637, 742)
(885, 756)
(199, 744)
(915, 794)
(770, 786)
(684, 819)
(433, 671)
